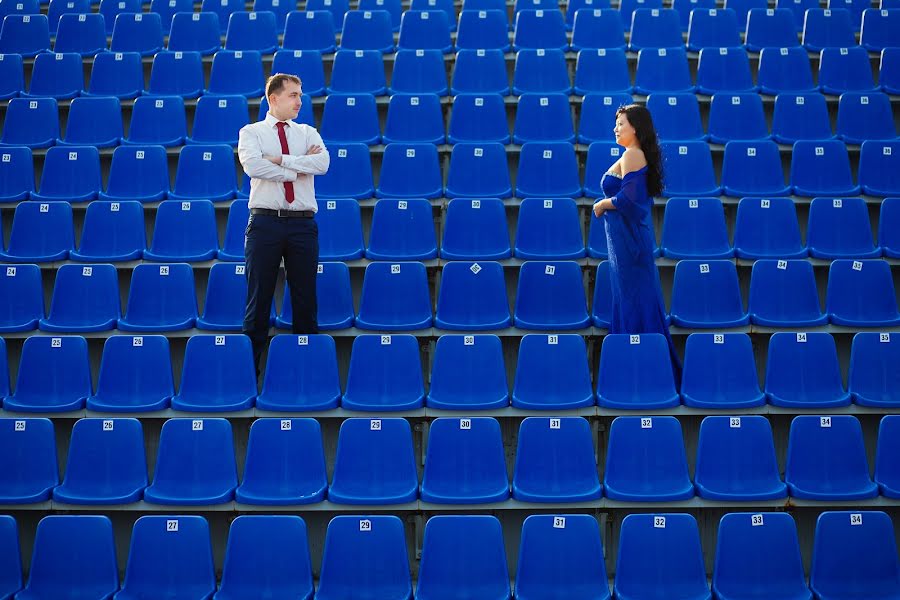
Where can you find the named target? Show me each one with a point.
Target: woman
(630, 185)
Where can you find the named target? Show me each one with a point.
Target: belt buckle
(283, 213)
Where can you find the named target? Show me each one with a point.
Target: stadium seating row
(465, 462)
(558, 556)
(132, 30)
(467, 373)
(418, 118)
(605, 71)
(404, 230)
(476, 170)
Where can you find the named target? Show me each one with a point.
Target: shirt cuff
(289, 174)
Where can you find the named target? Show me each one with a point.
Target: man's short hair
(275, 83)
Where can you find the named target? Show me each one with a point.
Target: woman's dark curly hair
(640, 119)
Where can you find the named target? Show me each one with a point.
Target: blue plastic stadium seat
(465, 462)
(597, 28)
(826, 459)
(161, 298)
(753, 169)
(720, 372)
(374, 463)
(770, 28)
(873, 380)
(472, 297)
(737, 117)
(475, 230)
(57, 9)
(736, 460)
(205, 172)
(889, 70)
(548, 169)
(393, 7)
(828, 28)
(166, 9)
(623, 378)
(425, 29)
(307, 64)
(30, 447)
(184, 232)
(597, 112)
(395, 384)
(878, 168)
(176, 74)
(410, 171)
(865, 116)
(54, 376)
(395, 297)
(369, 549)
(839, 228)
(4, 373)
(573, 6)
(887, 467)
(169, 556)
(93, 122)
(445, 5)
(74, 557)
(41, 232)
(550, 295)
(279, 9)
(803, 371)
(419, 72)
(116, 74)
(195, 32)
(358, 72)
(28, 35)
(676, 117)
(12, 76)
(628, 7)
(194, 464)
(301, 375)
(468, 373)
(414, 119)
(285, 463)
(479, 118)
(340, 231)
(256, 31)
(23, 298)
(801, 117)
(660, 556)
(844, 70)
(695, 228)
(653, 28)
(483, 29)
(549, 229)
(724, 70)
(520, 5)
(601, 306)
(600, 157)
(861, 294)
(367, 30)
(463, 555)
(821, 168)
(543, 118)
(561, 556)
(135, 375)
(58, 76)
(767, 228)
(106, 463)
(555, 461)
(706, 295)
(877, 28)
(83, 34)
(31, 122)
(798, 8)
(112, 232)
(855, 556)
(402, 230)
(16, 174)
(479, 72)
(784, 70)
(70, 174)
(783, 294)
(217, 375)
(226, 297)
(540, 29)
(267, 555)
(139, 32)
(662, 70)
(714, 28)
(350, 118)
(85, 299)
(689, 169)
(236, 73)
(602, 71)
(310, 30)
(749, 544)
(349, 175)
(218, 119)
(541, 71)
(552, 373)
(334, 299)
(223, 9)
(111, 9)
(138, 173)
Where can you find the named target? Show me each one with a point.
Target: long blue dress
(637, 300)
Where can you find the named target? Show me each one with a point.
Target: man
(281, 158)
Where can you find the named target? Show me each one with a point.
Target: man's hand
(314, 150)
(274, 159)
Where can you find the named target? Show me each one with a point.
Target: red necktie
(288, 186)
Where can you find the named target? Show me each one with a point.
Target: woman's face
(624, 132)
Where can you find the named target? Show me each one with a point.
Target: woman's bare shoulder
(633, 159)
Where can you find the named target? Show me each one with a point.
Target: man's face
(285, 104)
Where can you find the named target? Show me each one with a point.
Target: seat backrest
(724, 70)
(402, 230)
(57, 75)
(873, 381)
(311, 30)
(198, 32)
(539, 282)
(826, 454)
(396, 380)
(94, 122)
(367, 30)
(468, 372)
(195, 454)
(676, 116)
(106, 459)
(784, 69)
(597, 28)
(205, 172)
(626, 364)
(475, 230)
(689, 169)
(410, 171)
(484, 29)
(340, 230)
(30, 447)
(426, 29)
(139, 32)
(878, 162)
(541, 71)
(419, 72)
(480, 71)
(737, 117)
(358, 72)
(767, 228)
(828, 28)
(549, 229)
(861, 292)
(349, 174)
(161, 295)
(714, 28)
(118, 74)
(736, 456)
(839, 228)
(414, 118)
(753, 168)
(479, 118)
(350, 118)
(27, 35)
(877, 28)
(552, 371)
(695, 228)
(801, 116)
(218, 118)
(70, 173)
(41, 231)
(16, 174)
(257, 31)
(32, 122)
(655, 28)
(135, 369)
(803, 365)
(662, 70)
(299, 370)
(176, 74)
(85, 298)
(83, 34)
(865, 116)
(237, 72)
(540, 28)
(23, 298)
(218, 369)
(185, 231)
(547, 169)
(11, 565)
(720, 369)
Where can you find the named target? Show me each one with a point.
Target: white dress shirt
(260, 139)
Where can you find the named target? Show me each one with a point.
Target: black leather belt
(289, 214)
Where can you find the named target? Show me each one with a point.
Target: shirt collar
(271, 120)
